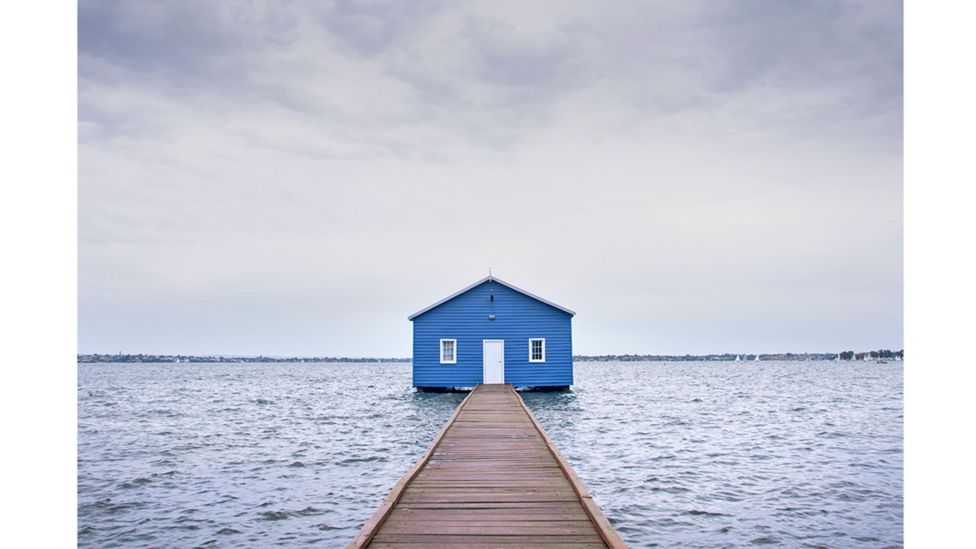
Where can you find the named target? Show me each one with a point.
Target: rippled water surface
(676, 454)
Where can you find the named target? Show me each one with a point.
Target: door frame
(484, 356)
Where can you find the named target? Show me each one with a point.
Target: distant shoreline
(882, 354)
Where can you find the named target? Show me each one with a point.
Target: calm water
(676, 454)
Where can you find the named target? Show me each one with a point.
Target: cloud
(372, 27)
(207, 44)
(663, 168)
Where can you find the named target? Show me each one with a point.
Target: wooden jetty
(491, 478)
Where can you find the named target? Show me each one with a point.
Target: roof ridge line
(491, 278)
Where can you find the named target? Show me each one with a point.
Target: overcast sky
(295, 178)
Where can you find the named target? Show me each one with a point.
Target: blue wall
(517, 318)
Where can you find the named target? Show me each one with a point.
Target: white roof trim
(492, 279)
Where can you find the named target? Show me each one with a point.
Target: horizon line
(277, 356)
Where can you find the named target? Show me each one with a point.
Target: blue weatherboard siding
(518, 317)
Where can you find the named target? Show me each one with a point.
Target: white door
(494, 360)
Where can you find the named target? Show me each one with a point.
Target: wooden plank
(448, 515)
(491, 477)
(486, 528)
(521, 498)
(434, 539)
(606, 530)
(362, 539)
(512, 505)
(486, 545)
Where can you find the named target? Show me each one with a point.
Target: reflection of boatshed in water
(492, 332)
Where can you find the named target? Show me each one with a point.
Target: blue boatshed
(492, 332)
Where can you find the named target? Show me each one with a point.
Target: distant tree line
(147, 358)
(883, 354)
(878, 355)
(846, 355)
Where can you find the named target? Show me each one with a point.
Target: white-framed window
(537, 349)
(448, 351)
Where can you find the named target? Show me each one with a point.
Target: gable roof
(490, 278)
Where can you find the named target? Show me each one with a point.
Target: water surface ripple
(677, 454)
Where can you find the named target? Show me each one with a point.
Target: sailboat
(738, 358)
(757, 358)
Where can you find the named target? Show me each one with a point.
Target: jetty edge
(491, 477)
